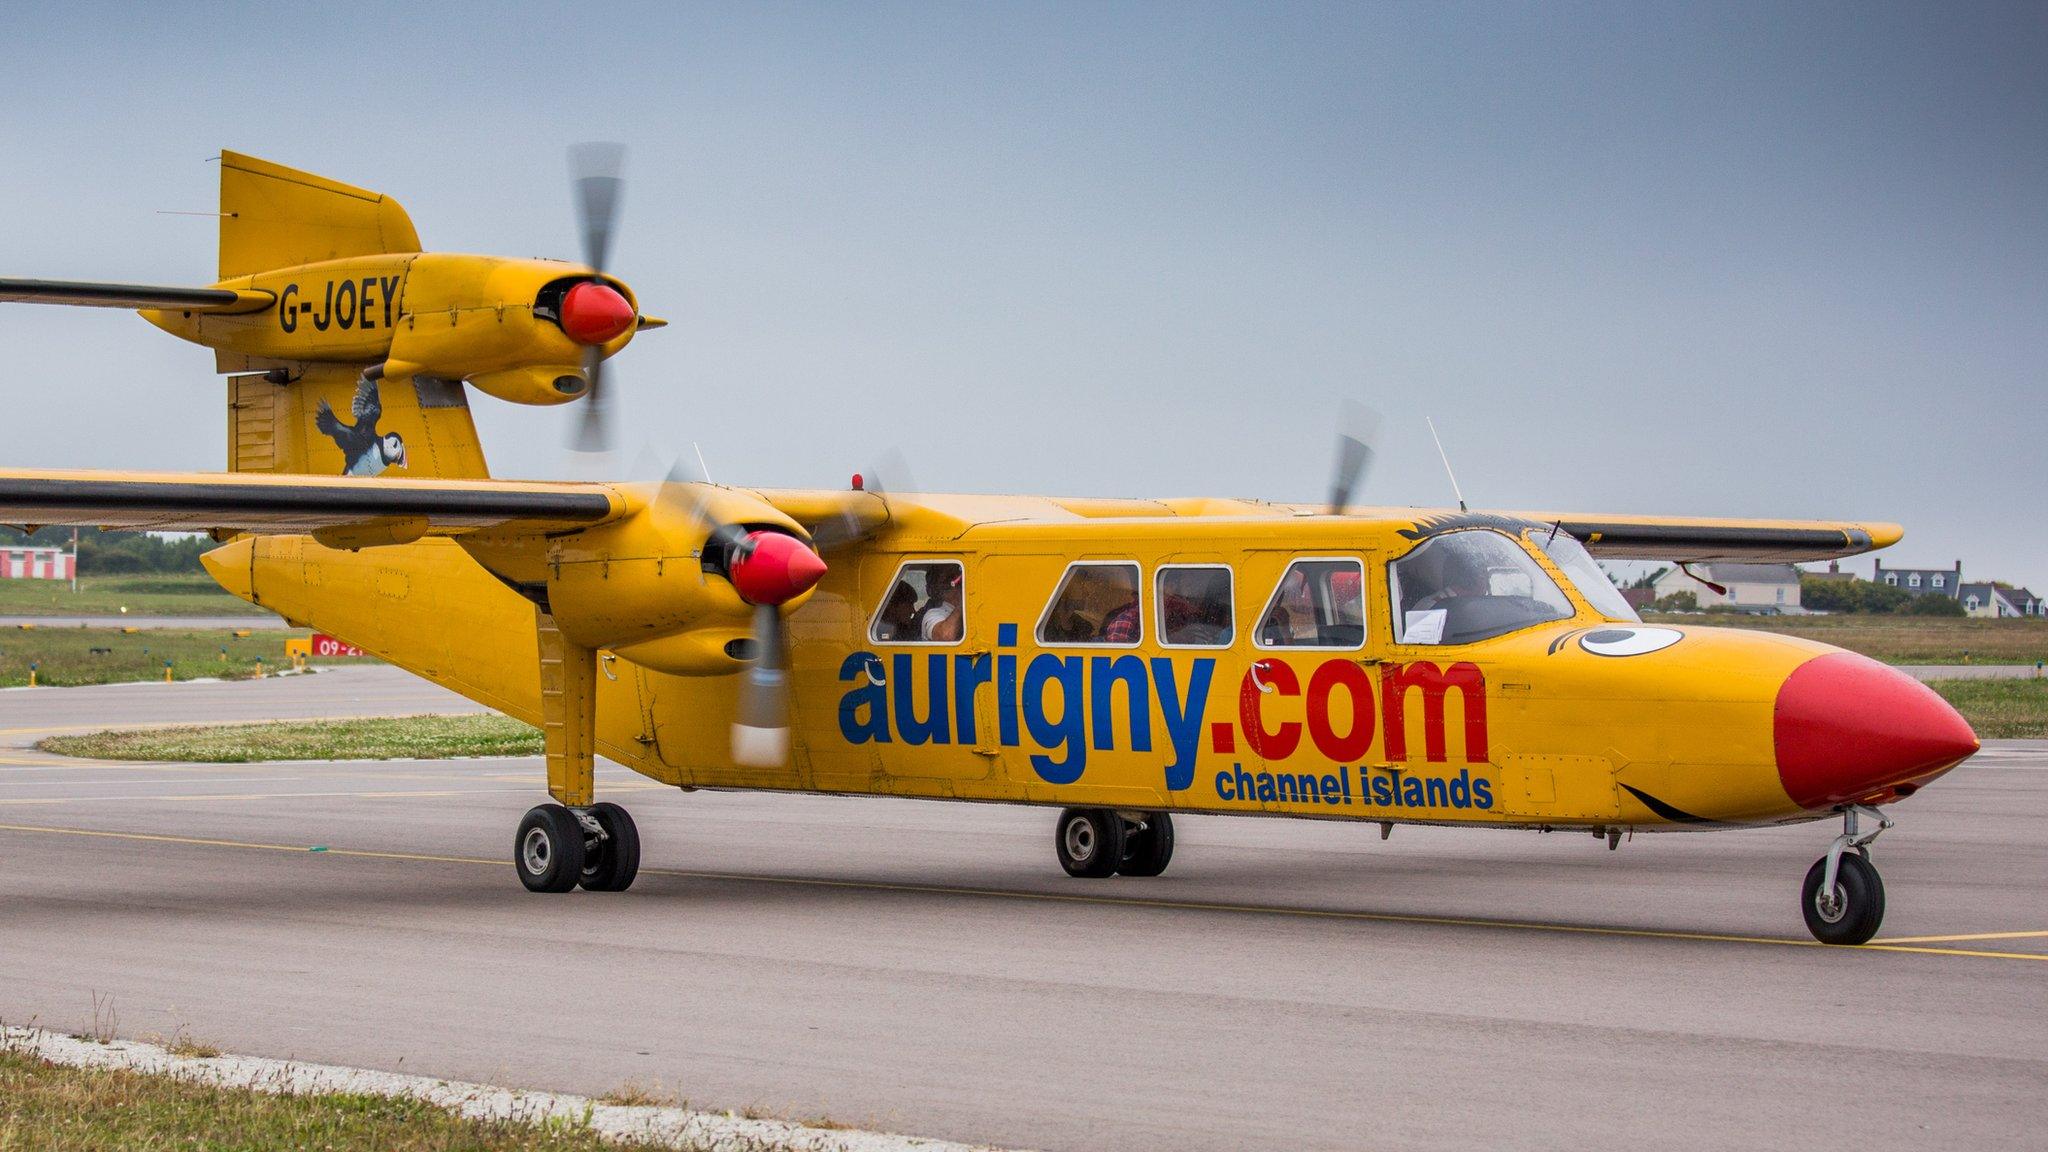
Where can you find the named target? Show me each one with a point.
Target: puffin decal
(363, 451)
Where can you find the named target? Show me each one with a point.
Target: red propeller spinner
(595, 313)
(774, 568)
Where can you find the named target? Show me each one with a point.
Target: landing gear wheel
(1147, 850)
(1850, 914)
(611, 862)
(549, 849)
(1090, 842)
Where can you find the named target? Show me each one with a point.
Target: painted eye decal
(1629, 641)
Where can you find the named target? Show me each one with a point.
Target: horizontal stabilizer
(89, 294)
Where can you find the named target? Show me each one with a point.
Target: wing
(342, 508)
(1691, 539)
(94, 295)
(367, 406)
(327, 422)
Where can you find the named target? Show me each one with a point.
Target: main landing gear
(1096, 842)
(1843, 898)
(559, 848)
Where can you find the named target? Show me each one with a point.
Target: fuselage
(1199, 657)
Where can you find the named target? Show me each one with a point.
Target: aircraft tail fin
(326, 421)
(277, 217)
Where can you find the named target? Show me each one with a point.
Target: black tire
(548, 852)
(1090, 842)
(1861, 895)
(616, 861)
(1148, 850)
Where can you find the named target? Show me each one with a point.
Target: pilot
(941, 620)
(1462, 575)
(898, 612)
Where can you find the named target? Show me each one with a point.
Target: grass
(45, 1107)
(388, 738)
(2000, 709)
(67, 656)
(1899, 639)
(155, 594)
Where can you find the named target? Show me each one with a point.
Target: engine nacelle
(535, 384)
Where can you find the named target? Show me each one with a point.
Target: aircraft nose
(1848, 728)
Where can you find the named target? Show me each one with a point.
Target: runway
(262, 623)
(927, 968)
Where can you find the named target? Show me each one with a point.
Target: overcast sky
(1710, 259)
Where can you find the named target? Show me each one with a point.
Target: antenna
(1447, 462)
(701, 466)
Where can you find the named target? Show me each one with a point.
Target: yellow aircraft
(1118, 660)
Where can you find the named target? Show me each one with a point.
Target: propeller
(768, 569)
(593, 312)
(1358, 433)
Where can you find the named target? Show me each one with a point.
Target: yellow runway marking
(380, 794)
(1966, 936)
(1903, 945)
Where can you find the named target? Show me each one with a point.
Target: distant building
(1834, 572)
(1764, 588)
(36, 564)
(1921, 581)
(1639, 598)
(1999, 601)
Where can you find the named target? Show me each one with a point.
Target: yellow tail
(277, 217)
(314, 417)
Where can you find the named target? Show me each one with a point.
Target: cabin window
(1577, 564)
(1319, 603)
(1194, 606)
(1096, 604)
(926, 604)
(1467, 586)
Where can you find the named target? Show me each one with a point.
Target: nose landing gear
(1843, 897)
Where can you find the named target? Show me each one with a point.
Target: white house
(1762, 588)
(1999, 601)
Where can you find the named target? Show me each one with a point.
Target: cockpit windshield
(1576, 563)
(1472, 585)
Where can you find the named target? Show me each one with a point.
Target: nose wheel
(558, 848)
(1843, 896)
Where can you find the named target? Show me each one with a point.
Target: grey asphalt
(926, 968)
(136, 620)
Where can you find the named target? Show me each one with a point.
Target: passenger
(1120, 625)
(941, 621)
(899, 614)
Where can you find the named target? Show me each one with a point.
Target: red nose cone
(594, 313)
(778, 570)
(1849, 728)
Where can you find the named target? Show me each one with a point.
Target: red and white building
(37, 564)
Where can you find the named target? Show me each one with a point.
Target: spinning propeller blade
(595, 171)
(1358, 429)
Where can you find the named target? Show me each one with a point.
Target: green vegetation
(1823, 595)
(1904, 638)
(388, 738)
(1999, 709)
(46, 1107)
(72, 656)
(101, 552)
(156, 594)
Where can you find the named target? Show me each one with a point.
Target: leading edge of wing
(272, 502)
(90, 294)
(1689, 539)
